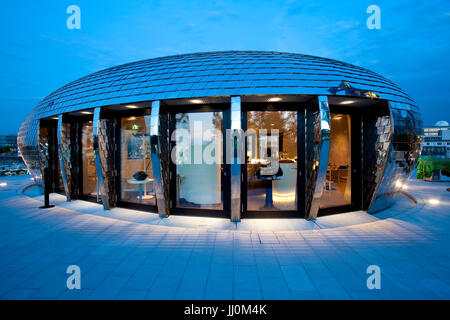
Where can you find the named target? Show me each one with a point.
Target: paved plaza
(126, 254)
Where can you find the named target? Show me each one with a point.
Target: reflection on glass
(136, 172)
(272, 161)
(88, 160)
(60, 184)
(337, 189)
(199, 177)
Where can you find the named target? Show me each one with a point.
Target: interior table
(142, 186)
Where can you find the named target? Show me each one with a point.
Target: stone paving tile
(219, 287)
(143, 278)
(248, 295)
(189, 295)
(275, 289)
(246, 278)
(74, 294)
(297, 278)
(306, 295)
(122, 259)
(11, 283)
(330, 289)
(109, 288)
(19, 294)
(131, 295)
(164, 288)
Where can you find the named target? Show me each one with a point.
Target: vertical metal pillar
(321, 154)
(158, 134)
(62, 156)
(98, 161)
(237, 159)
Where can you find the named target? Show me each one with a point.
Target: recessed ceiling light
(196, 101)
(347, 102)
(86, 112)
(274, 99)
(131, 107)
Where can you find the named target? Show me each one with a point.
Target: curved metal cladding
(64, 150)
(157, 124)
(320, 154)
(400, 156)
(231, 73)
(28, 142)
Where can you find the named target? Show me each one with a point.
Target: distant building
(436, 140)
(8, 143)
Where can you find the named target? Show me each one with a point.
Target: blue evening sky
(38, 54)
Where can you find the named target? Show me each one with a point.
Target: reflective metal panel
(43, 146)
(157, 124)
(236, 73)
(28, 143)
(108, 154)
(321, 151)
(405, 138)
(64, 153)
(231, 73)
(376, 141)
(312, 118)
(98, 159)
(236, 129)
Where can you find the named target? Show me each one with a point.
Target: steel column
(62, 156)
(98, 161)
(236, 159)
(159, 153)
(321, 154)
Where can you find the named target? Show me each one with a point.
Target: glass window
(136, 172)
(271, 160)
(199, 175)
(89, 174)
(337, 189)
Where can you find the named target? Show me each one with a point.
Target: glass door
(89, 185)
(271, 175)
(338, 183)
(136, 171)
(342, 189)
(198, 170)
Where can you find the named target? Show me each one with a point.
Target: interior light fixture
(433, 201)
(196, 101)
(347, 102)
(86, 112)
(274, 99)
(131, 107)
